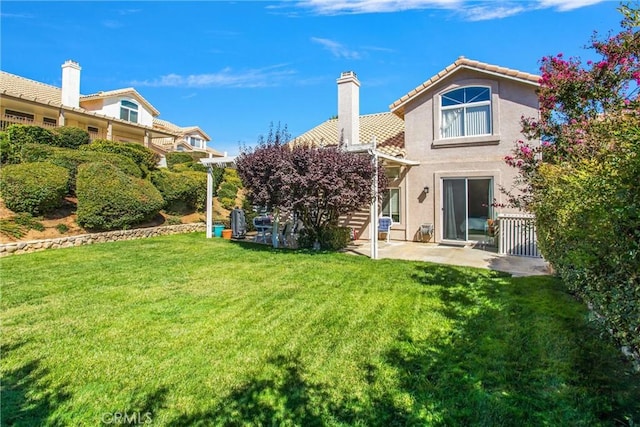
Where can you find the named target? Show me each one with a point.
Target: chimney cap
(349, 74)
(71, 63)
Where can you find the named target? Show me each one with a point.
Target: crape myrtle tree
(318, 184)
(579, 172)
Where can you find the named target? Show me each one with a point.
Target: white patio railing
(517, 235)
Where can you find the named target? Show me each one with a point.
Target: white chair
(384, 226)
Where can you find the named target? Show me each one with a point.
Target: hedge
(71, 137)
(588, 223)
(110, 199)
(146, 159)
(179, 190)
(71, 159)
(35, 188)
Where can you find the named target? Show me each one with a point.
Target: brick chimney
(71, 84)
(349, 108)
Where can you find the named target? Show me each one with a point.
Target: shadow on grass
(519, 352)
(27, 397)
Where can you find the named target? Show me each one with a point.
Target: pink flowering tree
(579, 172)
(575, 98)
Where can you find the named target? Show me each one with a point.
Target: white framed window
(195, 142)
(129, 111)
(465, 112)
(391, 204)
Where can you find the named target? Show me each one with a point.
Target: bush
(110, 199)
(179, 190)
(33, 187)
(332, 238)
(200, 178)
(9, 152)
(71, 159)
(176, 157)
(71, 137)
(27, 134)
(146, 159)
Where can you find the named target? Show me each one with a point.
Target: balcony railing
(8, 120)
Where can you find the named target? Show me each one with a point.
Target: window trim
(131, 108)
(465, 106)
(465, 141)
(390, 213)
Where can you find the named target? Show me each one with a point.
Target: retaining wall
(88, 239)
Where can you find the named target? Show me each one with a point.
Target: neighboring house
(118, 115)
(189, 139)
(443, 146)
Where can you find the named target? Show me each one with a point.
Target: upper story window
(195, 142)
(466, 112)
(129, 111)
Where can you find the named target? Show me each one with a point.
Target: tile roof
(171, 127)
(386, 127)
(462, 63)
(30, 89)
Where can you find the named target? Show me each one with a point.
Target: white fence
(517, 235)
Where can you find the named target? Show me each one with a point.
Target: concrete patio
(466, 256)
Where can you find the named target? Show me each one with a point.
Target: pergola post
(210, 163)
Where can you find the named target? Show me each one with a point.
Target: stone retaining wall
(88, 239)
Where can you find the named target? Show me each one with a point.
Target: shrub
(179, 190)
(110, 199)
(33, 187)
(176, 157)
(146, 159)
(200, 178)
(331, 238)
(9, 152)
(71, 159)
(71, 137)
(27, 134)
(62, 228)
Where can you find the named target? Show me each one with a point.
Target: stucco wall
(463, 157)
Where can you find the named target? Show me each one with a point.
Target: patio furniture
(263, 225)
(426, 231)
(384, 226)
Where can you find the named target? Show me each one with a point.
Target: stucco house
(443, 146)
(119, 115)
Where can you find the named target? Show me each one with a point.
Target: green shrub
(146, 159)
(62, 228)
(179, 190)
(71, 159)
(588, 221)
(331, 238)
(200, 178)
(228, 191)
(177, 157)
(71, 137)
(28, 134)
(110, 199)
(9, 151)
(33, 187)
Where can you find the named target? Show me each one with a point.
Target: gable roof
(182, 131)
(386, 127)
(460, 64)
(129, 91)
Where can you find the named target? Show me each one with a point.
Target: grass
(184, 331)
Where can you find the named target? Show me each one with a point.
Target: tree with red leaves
(318, 184)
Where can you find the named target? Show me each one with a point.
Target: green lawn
(184, 331)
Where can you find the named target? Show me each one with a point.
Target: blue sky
(233, 68)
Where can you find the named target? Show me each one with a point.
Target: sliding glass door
(466, 206)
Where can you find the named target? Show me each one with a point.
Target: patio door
(466, 206)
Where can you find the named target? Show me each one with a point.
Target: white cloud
(109, 23)
(337, 49)
(565, 5)
(470, 9)
(227, 77)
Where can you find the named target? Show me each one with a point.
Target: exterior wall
(111, 107)
(461, 157)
